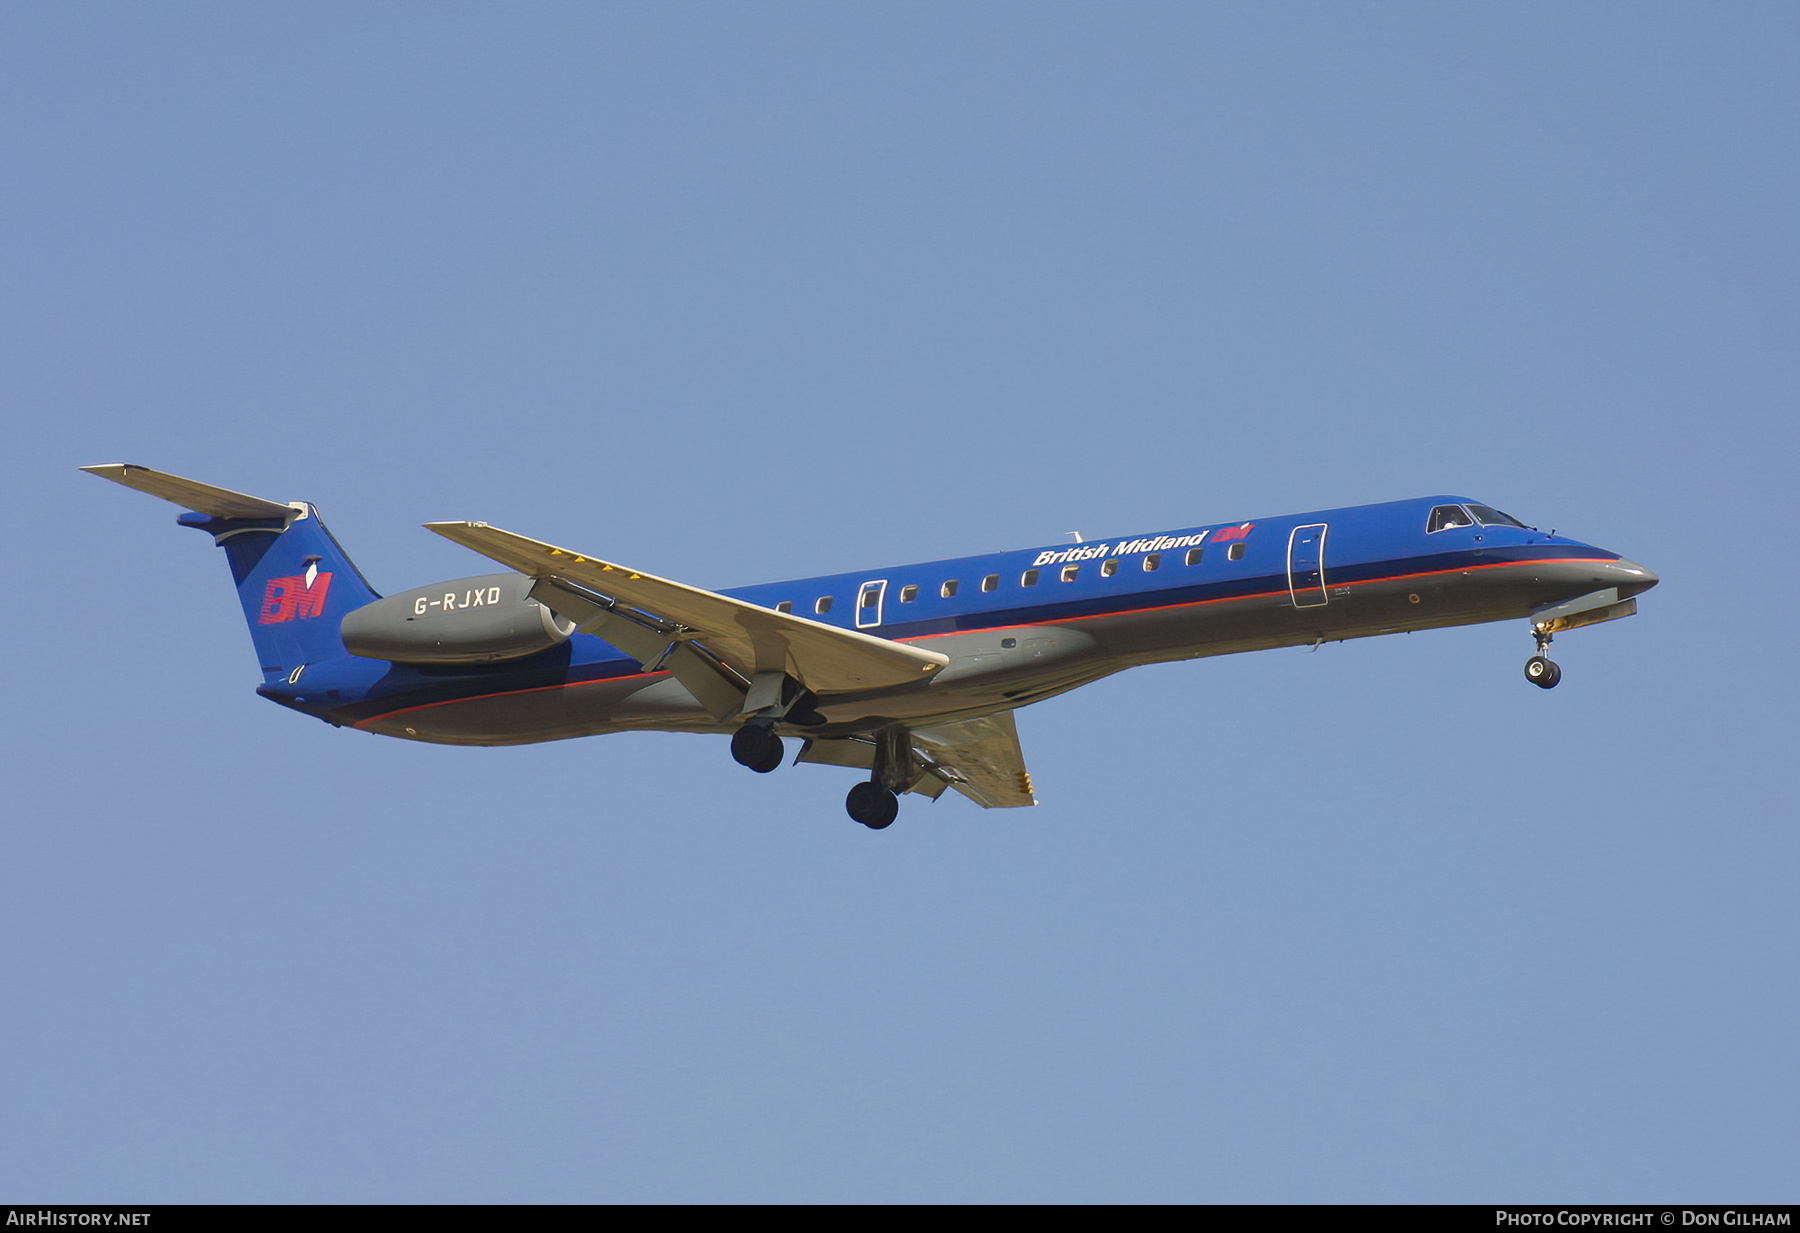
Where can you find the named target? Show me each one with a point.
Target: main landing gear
(773, 697)
(756, 747)
(875, 802)
(1540, 670)
(874, 806)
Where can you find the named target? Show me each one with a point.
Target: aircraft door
(868, 604)
(1306, 565)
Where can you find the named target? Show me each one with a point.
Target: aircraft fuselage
(1024, 625)
(910, 673)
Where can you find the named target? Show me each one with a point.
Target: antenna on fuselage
(1077, 535)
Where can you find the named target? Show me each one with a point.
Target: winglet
(190, 494)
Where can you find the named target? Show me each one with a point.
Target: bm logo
(295, 598)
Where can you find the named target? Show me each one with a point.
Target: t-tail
(293, 580)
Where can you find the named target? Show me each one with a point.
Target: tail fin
(293, 579)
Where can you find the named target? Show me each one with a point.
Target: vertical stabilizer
(295, 583)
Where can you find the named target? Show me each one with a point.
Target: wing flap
(982, 757)
(746, 637)
(859, 754)
(655, 650)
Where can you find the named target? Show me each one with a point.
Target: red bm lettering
(288, 599)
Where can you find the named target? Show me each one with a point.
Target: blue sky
(737, 293)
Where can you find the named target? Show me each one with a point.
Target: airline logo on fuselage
(295, 598)
(1155, 543)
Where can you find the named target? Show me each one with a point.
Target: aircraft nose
(1633, 578)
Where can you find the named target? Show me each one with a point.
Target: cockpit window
(1443, 517)
(1488, 516)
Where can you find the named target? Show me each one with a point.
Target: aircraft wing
(982, 757)
(747, 638)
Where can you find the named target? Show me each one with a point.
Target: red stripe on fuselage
(989, 629)
(1229, 599)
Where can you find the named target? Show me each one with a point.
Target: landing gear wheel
(1542, 672)
(872, 805)
(757, 748)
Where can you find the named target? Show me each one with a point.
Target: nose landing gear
(1540, 670)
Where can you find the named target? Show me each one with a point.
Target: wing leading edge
(980, 758)
(747, 638)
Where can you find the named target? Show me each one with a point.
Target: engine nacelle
(467, 621)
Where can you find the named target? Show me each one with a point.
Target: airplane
(910, 673)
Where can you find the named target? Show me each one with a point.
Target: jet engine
(466, 621)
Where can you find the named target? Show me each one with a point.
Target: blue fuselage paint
(1373, 569)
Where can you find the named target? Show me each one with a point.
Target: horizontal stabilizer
(746, 637)
(190, 494)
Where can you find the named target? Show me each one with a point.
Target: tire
(872, 805)
(757, 748)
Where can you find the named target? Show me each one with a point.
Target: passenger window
(1193, 556)
(991, 582)
(1152, 562)
(1444, 517)
(1028, 578)
(823, 606)
(1109, 567)
(908, 594)
(1236, 553)
(1069, 572)
(870, 597)
(948, 589)
(786, 605)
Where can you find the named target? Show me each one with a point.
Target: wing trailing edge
(746, 638)
(983, 757)
(980, 758)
